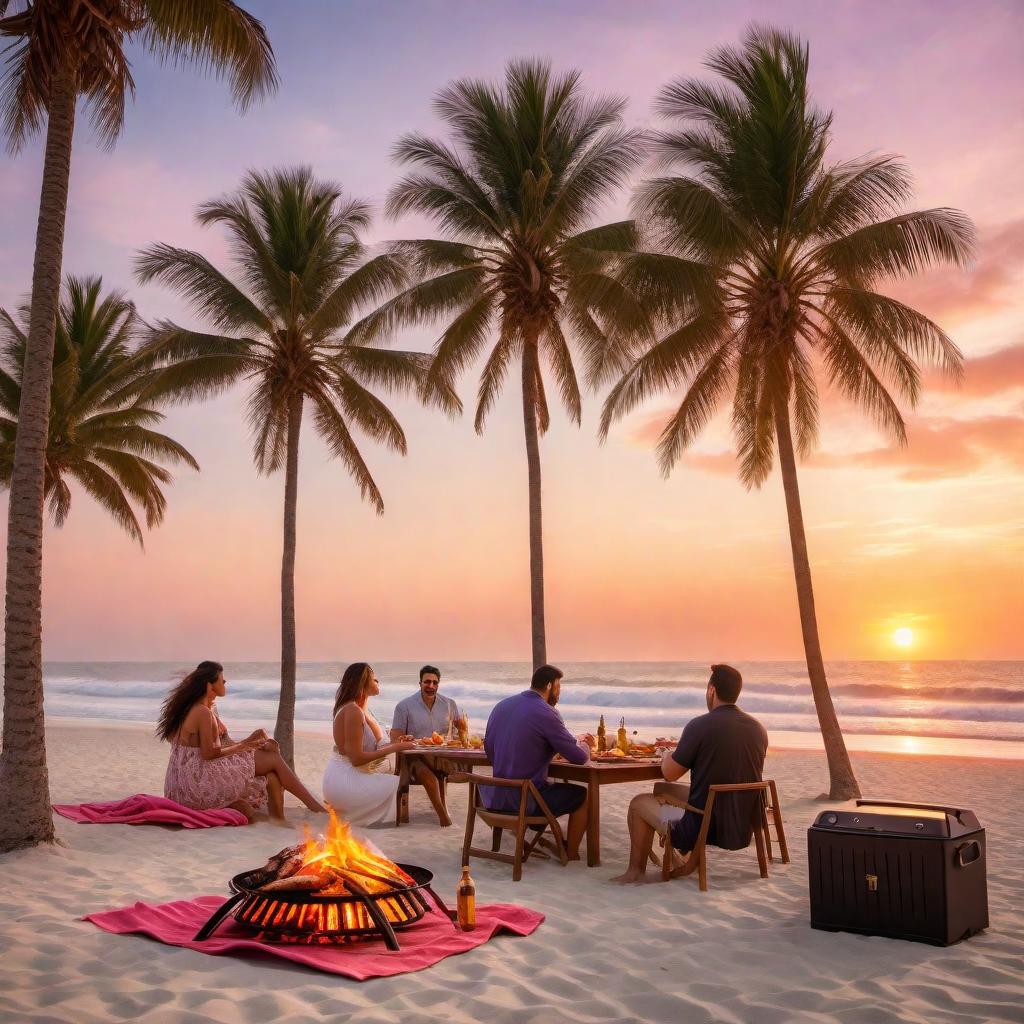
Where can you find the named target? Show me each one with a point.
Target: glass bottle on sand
(466, 901)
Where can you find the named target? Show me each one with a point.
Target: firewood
(290, 867)
(305, 883)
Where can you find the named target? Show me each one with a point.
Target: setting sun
(903, 637)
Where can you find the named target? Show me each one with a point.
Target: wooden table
(593, 775)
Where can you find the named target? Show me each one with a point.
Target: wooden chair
(517, 822)
(697, 858)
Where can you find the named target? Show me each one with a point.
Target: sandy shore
(741, 952)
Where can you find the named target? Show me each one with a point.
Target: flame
(342, 857)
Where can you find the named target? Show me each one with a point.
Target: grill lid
(897, 818)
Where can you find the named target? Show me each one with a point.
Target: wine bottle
(622, 741)
(466, 901)
(602, 737)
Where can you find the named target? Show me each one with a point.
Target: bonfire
(335, 865)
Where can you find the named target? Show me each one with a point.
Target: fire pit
(325, 893)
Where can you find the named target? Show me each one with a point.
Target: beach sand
(743, 951)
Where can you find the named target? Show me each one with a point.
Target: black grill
(908, 871)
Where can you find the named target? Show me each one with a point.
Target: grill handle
(219, 914)
(961, 861)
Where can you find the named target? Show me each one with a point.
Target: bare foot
(281, 822)
(445, 822)
(629, 877)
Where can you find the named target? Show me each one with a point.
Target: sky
(928, 538)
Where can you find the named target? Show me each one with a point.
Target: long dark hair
(182, 698)
(354, 681)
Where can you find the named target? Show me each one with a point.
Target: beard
(552, 698)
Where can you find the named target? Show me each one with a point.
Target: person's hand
(272, 745)
(588, 739)
(404, 744)
(258, 735)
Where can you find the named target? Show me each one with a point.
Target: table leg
(402, 795)
(593, 822)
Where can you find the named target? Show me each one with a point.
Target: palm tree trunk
(25, 816)
(284, 730)
(842, 781)
(530, 361)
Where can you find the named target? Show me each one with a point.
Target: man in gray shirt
(418, 717)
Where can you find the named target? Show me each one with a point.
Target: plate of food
(434, 740)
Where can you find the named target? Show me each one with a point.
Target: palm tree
(99, 435)
(772, 258)
(61, 50)
(305, 272)
(520, 265)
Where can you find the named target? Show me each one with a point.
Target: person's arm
(676, 763)
(348, 737)
(573, 750)
(671, 769)
(399, 724)
(210, 746)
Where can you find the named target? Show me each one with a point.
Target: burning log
(305, 883)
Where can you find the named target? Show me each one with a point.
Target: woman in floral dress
(207, 769)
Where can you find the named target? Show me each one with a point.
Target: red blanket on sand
(143, 809)
(424, 944)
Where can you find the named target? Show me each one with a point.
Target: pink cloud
(989, 374)
(951, 293)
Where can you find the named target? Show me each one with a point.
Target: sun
(903, 637)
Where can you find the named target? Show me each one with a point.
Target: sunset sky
(929, 538)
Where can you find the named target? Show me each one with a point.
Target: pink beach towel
(423, 945)
(143, 809)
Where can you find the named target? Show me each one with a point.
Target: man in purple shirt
(523, 733)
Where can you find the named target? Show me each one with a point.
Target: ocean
(963, 708)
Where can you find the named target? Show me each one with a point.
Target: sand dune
(741, 952)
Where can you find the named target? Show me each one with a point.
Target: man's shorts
(660, 816)
(440, 766)
(561, 798)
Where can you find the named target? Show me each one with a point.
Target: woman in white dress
(358, 782)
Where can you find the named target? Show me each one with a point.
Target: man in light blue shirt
(418, 717)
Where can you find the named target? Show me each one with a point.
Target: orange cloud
(938, 447)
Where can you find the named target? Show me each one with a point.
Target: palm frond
(902, 245)
(699, 404)
(332, 428)
(216, 36)
(507, 348)
(560, 361)
(211, 296)
(106, 491)
(677, 356)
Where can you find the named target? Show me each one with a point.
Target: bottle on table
(622, 740)
(462, 724)
(466, 901)
(602, 737)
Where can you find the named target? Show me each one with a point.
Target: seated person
(208, 769)
(724, 746)
(419, 716)
(523, 733)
